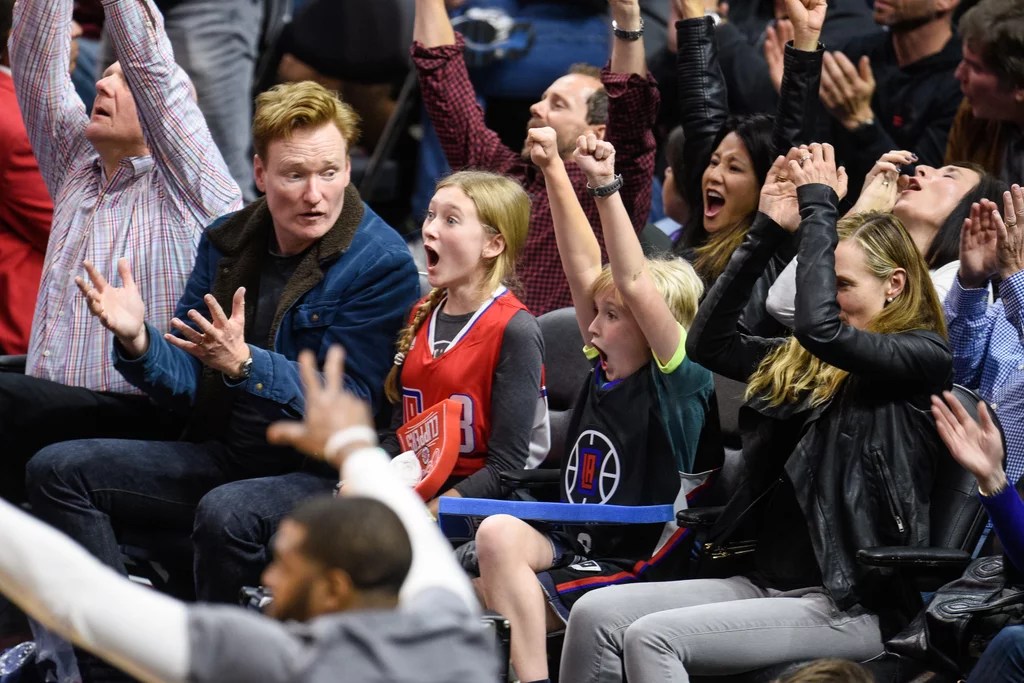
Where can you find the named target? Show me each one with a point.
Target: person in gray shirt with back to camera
(372, 584)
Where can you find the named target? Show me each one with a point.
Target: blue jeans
(1003, 661)
(231, 502)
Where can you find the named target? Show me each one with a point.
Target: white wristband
(347, 437)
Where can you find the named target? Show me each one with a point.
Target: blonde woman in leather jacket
(838, 447)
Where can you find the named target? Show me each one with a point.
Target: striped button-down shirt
(152, 210)
(988, 355)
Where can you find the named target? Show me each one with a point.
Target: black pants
(36, 412)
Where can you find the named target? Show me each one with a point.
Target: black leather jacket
(862, 468)
(703, 101)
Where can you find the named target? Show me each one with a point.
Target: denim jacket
(352, 288)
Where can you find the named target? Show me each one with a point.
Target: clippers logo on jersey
(593, 471)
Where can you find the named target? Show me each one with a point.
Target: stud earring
(888, 299)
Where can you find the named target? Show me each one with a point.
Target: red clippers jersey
(464, 372)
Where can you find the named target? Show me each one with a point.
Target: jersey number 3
(467, 440)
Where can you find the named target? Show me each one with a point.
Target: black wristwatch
(606, 190)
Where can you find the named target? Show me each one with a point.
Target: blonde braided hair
(392, 385)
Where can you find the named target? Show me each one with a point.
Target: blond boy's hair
(676, 281)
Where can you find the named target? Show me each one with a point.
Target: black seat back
(565, 370)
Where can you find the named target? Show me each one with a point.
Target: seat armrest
(457, 515)
(699, 518)
(10, 363)
(914, 558)
(527, 478)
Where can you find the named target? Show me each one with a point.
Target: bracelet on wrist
(608, 189)
(630, 36)
(348, 436)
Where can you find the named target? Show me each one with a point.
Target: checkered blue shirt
(152, 209)
(988, 355)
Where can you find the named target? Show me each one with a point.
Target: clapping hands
(817, 164)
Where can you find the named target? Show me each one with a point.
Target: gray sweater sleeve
(514, 397)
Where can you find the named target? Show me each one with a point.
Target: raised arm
(577, 246)
(628, 263)
(796, 116)
(336, 427)
(978, 446)
(55, 118)
(449, 96)
(58, 583)
(431, 26)
(968, 314)
(627, 55)
(909, 359)
(703, 100)
(633, 99)
(174, 128)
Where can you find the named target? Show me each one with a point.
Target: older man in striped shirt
(139, 177)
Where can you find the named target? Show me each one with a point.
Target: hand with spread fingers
(1010, 233)
(978, 258)
(218, 343)
(330, 409)
(596, 158)
(778, 194)
(977, 445)
(882, 182)
(846, 90)
(817, 164)
(120, 309)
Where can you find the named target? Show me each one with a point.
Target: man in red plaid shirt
(617, 103)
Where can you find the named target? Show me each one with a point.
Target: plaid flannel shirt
(451, 103)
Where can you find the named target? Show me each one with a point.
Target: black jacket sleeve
(703, 103)
(715, 339)
(915, 359)
(796, 119)
(795, 123)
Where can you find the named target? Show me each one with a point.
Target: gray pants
(665, 631)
